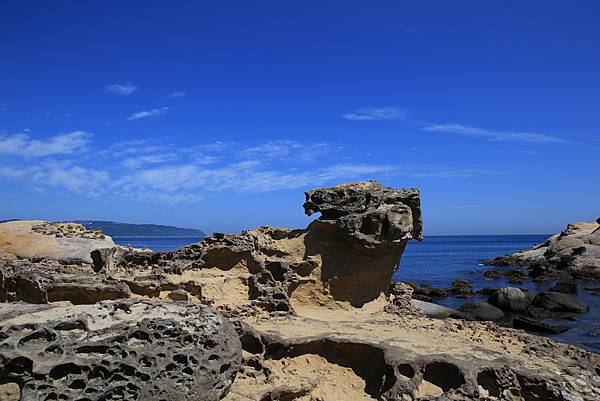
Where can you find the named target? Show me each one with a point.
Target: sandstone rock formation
(129, 350)
(573, 253)
(346, 258)
(407, 358)
(36, 239)
(315, 311)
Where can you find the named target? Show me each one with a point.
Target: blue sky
(218, 115)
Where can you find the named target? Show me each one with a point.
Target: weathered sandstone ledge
(315, 311)
(38, 239)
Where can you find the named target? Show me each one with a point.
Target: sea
(439, 260)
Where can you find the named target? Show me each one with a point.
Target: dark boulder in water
(482, 311)
(558, 302)
(536, 326)
(510, 299)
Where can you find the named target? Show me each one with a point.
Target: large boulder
(134, 350)
(558, 302)
(482, 311)
(510, 299)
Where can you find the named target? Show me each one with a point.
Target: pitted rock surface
(443, 360)
(368, 211)
(348, 255)
(127, 350)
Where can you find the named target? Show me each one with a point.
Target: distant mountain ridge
(140, 230)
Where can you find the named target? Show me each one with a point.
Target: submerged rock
(137, 350)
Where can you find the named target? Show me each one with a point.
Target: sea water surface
(439, 260)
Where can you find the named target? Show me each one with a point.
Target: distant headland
(115, 229)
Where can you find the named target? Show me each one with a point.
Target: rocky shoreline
(267, 314)
(573, 254)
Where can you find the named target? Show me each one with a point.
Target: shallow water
(157, 244)
(439, 260)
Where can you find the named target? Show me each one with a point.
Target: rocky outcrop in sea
(574, 253)
(314, 311)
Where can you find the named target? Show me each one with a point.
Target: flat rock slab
(127, 349)
(398, 357)
(19, 238)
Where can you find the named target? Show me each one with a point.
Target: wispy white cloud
(377, 113)
(140, 161)
(176, 94)
(73, 178)
(526, 152)
(492, 135)
(245, 176)
(148, 113)
(12, 173)
(158, 171)
(25, 146)
(61, 175)
(397, 113)
(135, 147)
(288, 149)
(122, 89)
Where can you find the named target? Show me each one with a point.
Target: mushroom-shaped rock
(360, 236)
(368, 211)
